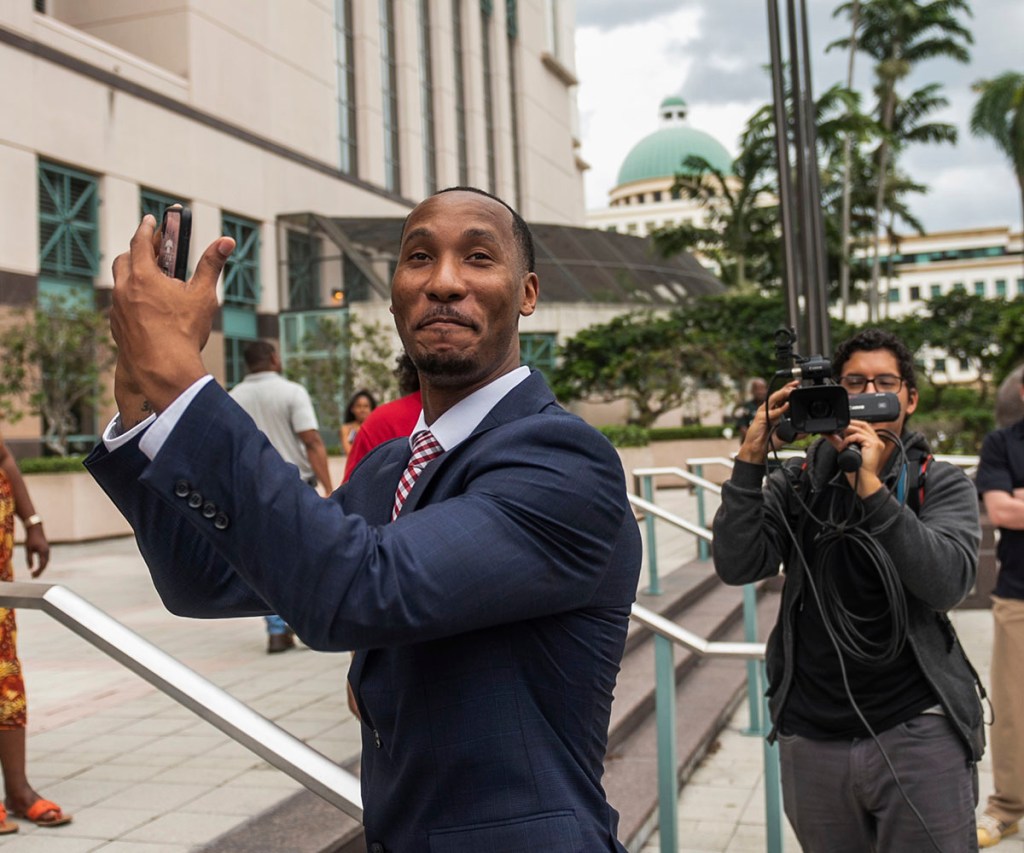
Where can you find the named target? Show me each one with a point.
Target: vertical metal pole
(790, 266)
(653, 587)
(772, 789)
(703, 549)
(665, 712)
(816, 264)
(754, 691)
(808, 331)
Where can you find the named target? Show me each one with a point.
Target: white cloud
(624, 75)
(711, 52)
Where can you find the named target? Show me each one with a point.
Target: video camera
(819, 405)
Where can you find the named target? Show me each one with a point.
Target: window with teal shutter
(68, 224)
(155, 202)
(303, 271)
(242, 271)
(537, 350)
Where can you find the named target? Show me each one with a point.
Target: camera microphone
(849, 458)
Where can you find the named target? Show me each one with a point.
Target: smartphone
(175, 233)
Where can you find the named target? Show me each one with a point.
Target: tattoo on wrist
(146, 407)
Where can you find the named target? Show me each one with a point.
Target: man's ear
(531, 292)
(911, 400)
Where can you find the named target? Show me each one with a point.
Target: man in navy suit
(488, 618)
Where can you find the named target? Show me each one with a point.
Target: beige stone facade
(234, 108)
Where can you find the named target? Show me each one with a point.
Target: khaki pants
(1007, 694)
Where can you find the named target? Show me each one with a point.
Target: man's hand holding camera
(756, 442)
(873, 453)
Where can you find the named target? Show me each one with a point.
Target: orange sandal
(6, 828)
(41, 807)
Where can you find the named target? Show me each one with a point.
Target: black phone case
(184, 239)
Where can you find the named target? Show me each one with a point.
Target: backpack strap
(917, 475)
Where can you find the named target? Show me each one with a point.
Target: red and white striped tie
(424, 448)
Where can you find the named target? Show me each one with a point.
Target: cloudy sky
(630, 55)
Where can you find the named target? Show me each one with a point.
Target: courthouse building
(285, 123)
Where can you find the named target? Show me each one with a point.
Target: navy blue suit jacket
(490, 616)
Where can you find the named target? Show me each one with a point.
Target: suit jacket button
(209, 509)
(221, 521)
(182, 488)
(376, 738)
(195, 500)
(377, 847)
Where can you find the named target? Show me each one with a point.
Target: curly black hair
(872, 339)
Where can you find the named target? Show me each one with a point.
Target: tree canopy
(52, 362)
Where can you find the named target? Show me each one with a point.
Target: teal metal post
(772, 792)
(653, 587)
(703, 549)
(754, 691)
(665, 712)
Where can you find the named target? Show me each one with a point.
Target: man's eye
(479, 256)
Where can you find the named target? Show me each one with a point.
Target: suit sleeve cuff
(167, 420)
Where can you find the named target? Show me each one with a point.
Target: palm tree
(898, 34)
(740, 233)
(999, 114)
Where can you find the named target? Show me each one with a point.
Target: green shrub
(628, 435)
(685, 432)
(51, 464)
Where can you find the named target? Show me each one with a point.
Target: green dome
(661, 154)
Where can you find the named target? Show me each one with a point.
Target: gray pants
(840, 796)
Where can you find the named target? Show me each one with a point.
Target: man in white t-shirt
(284, 413)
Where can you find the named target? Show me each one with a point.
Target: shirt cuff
(114, 435)
(167, 420)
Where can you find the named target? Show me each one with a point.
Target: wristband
(33, 520)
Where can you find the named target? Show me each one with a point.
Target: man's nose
(446, 284)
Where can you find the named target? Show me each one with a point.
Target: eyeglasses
(885, 382)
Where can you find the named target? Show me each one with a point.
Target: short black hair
(520, 230)
(872, 339)
(257, 355)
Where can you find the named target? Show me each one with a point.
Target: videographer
(867, 681)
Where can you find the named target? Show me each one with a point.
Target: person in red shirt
(391, 420)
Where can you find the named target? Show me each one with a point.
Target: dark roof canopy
(573, 264)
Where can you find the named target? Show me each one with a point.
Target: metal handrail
(692, 479)
(668, 633)
(655, 510)
(687, 639)
(204, 698)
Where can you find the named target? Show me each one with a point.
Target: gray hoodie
(935, 554)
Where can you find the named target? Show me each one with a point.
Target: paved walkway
(140, 773)
(143, 775)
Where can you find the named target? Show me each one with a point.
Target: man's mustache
(447, 314)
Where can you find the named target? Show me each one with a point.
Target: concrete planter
(73, 507)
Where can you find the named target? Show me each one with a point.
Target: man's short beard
(446, 369)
